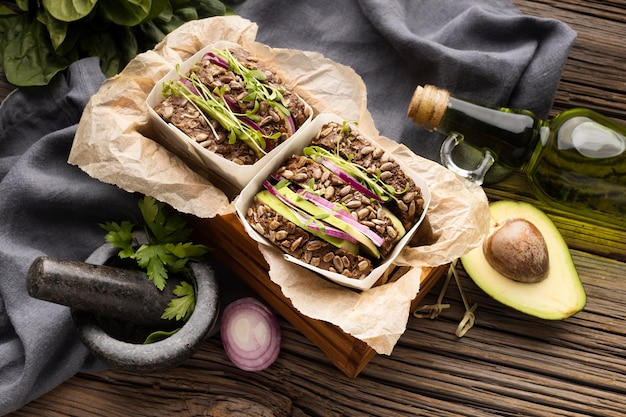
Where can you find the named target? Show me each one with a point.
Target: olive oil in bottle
(576, 162)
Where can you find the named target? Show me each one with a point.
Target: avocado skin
(559, 296)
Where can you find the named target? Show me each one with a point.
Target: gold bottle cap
(428, 105)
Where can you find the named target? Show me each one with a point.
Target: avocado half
(558, 296)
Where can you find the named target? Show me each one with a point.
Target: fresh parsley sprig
(168, 250)
(181, 307)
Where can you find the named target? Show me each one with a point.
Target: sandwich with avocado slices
(342, 205)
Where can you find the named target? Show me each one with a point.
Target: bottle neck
(511, 136)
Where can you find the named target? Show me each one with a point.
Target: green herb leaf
(120, 236)
(125, 12)
(159, 335)
(58, 30)
(156, 8)
(149, 32)
(159, 259)
(23, 4)
(45, 38)
(29, 57)
(4, 11)
(167, 251)
(166, 226)
(69, 10)
(180, 308)
(208, 8)
(187, 251)
(154, 258)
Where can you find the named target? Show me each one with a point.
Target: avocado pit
(518, 250)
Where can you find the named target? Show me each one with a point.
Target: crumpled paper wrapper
(116, 144)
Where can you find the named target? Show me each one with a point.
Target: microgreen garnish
(214, 104)
(253, 82)
(375, 184)
(166, 251)
(345, 127)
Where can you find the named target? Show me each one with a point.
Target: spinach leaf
(125, 12)
(149, 33)
(114, 49)
(30, 59)
(158, 7)
(207, 8)
(56, 28)
(40, 38)
(22, 4)
(4, 10)
(69, 10)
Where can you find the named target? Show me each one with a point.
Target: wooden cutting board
(240, 254)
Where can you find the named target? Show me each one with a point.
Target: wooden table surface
(507, 364)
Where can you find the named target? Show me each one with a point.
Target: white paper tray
(295, 147)
(235, 175)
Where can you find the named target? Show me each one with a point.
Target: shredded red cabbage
(342, 215)
(349, 179)
(306, 220)
(214, 59)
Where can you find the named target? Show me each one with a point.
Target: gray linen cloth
(484, 49)
(480, 49)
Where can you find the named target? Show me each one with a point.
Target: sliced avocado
(281, 208)
(558, 296)
(396, 222)
(325, 216)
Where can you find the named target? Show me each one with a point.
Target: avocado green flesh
(396, 222)
(315, 211)
(281, 208)
(558, 296)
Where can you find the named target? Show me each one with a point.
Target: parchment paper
(115, 143)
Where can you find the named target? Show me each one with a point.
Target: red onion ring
(250, 334)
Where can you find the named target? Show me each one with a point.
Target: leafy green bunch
(39, 38)
(168, 250)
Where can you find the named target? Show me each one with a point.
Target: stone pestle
(118, 293)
